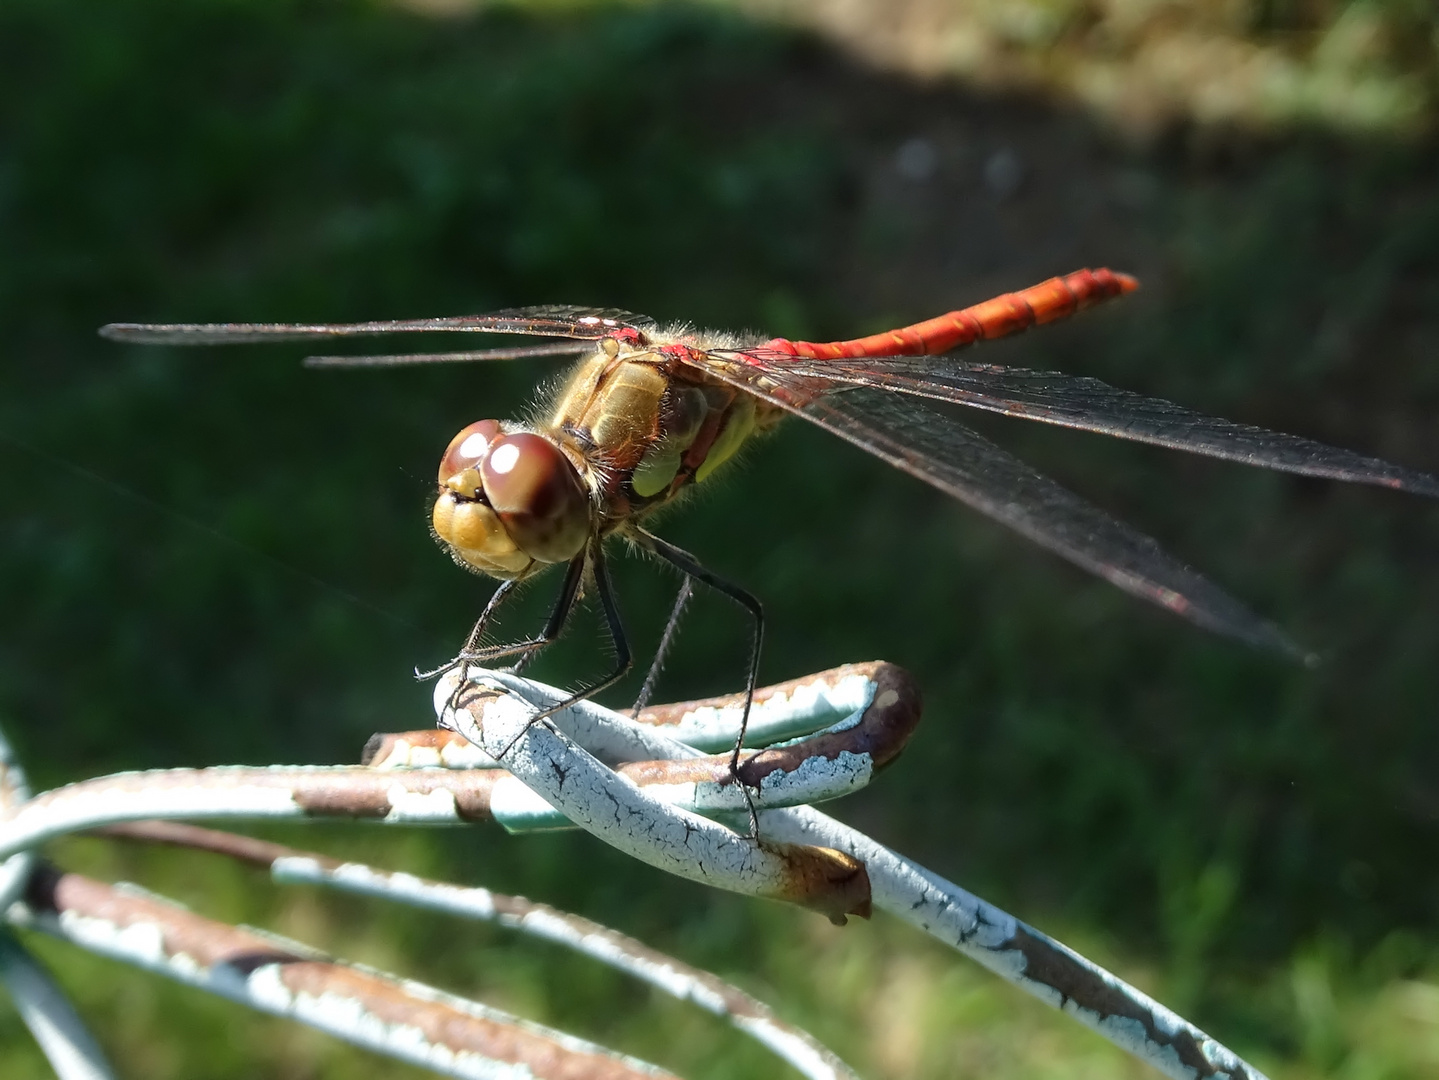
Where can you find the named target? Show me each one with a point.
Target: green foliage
(217, 556)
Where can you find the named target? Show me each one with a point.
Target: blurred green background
(216, 556)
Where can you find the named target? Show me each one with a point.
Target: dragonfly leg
(472, 642)
(691, 566)
(471, 653)
(564, 604)
(593, 555)
(666, 640)
(477, 632)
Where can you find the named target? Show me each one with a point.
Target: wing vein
(968, 467)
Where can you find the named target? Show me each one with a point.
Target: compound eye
(538, 495)
(463, 456)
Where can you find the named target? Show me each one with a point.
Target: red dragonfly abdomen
(1054, 299)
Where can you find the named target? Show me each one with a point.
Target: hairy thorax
(642, 428)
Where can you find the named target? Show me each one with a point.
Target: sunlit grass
(1363, 67)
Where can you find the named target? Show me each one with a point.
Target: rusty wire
(400, 1018)
(1022, 955)
(293, 867)
(634, 784)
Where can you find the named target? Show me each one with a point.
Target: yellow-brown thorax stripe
(647, 427)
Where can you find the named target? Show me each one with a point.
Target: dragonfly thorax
(509, 501)
(648, 424)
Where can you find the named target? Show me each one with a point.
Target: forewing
(588, 324)
(523, 352)
(1075, 401)
(967, 466)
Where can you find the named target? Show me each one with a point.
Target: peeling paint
(436, 805)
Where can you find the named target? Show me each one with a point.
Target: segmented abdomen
(1054, 299)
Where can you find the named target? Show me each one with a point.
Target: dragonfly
(649, 412)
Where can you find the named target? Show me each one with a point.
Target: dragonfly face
(510, 501)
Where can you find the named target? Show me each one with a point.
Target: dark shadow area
(216, 556)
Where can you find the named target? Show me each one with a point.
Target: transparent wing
(552, 348)
(588, 324)
(1074, 401)
(967, 466)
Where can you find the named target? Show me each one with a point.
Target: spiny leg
(473, 654)
(564, 604)
(469, 651)
(595, 556)
(690, 566)
(666, 641)
(472, 642)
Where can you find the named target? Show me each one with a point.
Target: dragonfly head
(509, 500)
